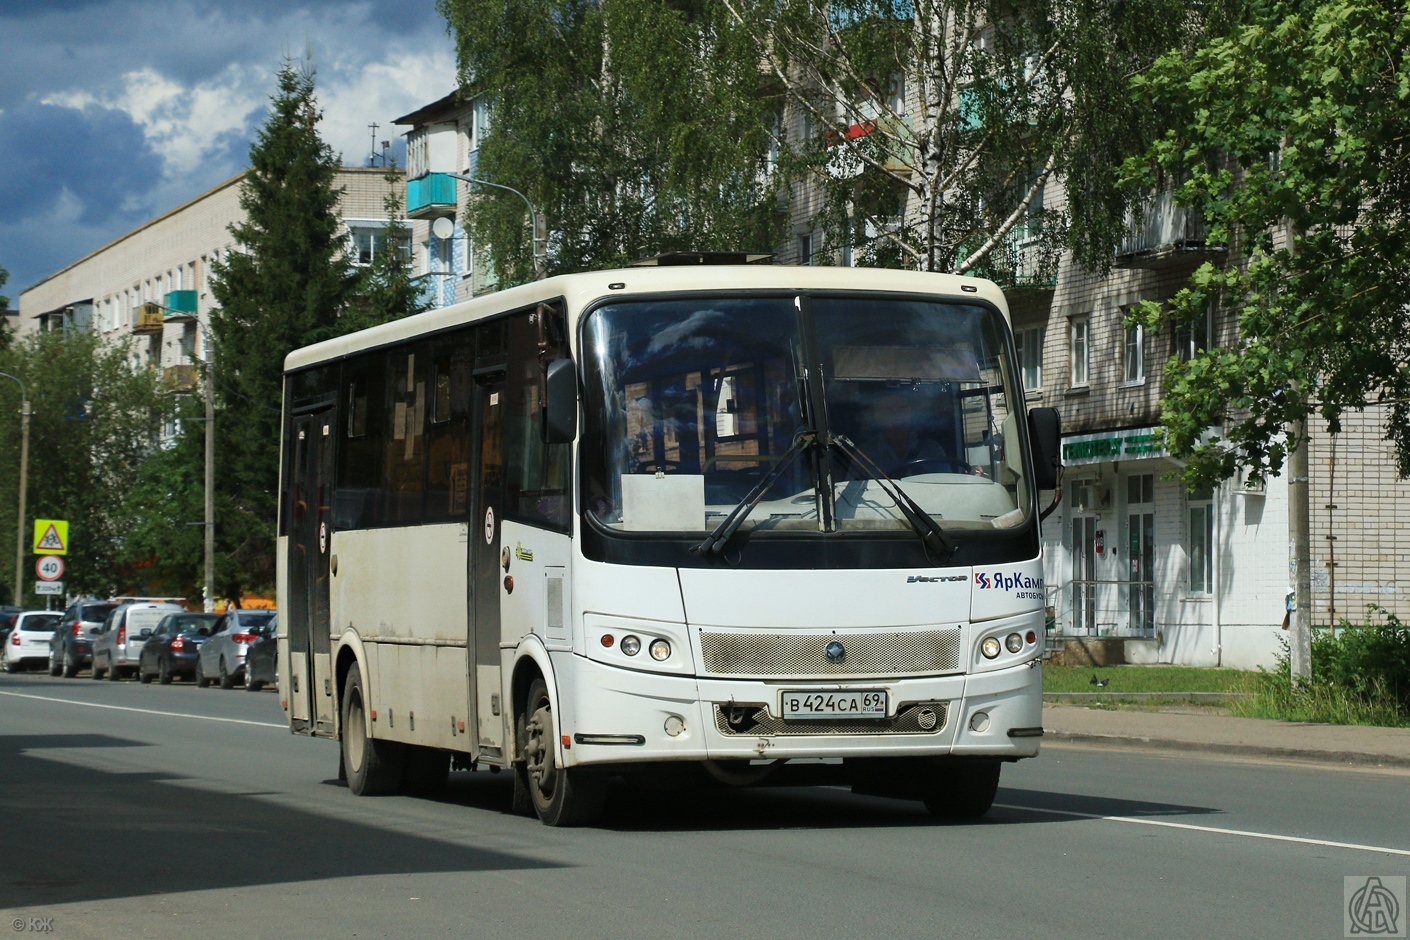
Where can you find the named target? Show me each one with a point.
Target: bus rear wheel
(561, 797)
(963, 791)
(374, 767)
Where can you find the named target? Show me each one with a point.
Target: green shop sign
(1133, 444)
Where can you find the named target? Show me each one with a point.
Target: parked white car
(28, 642)
(118, 649)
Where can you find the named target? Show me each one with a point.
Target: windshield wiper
(715, 541)
(924, 524)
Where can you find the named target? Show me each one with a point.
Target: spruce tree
(286, 286)
(387, 290)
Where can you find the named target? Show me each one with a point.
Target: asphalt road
(178, 812)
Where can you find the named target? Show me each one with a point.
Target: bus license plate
(813, 704)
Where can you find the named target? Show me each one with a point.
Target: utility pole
(1299, 534)
(210, 476)
(24, 484)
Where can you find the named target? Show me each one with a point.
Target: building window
(805, 249)
(1030, 356)
(366, 239)
(1134, 359)
(1195, 337)
(1079, 352)
(1201, 544)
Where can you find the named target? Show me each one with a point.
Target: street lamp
(24, 480)
(538, 246)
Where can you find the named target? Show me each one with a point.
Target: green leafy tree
(933, 129)
(96, 420)
(634, 126)
(6, 334)
(1288, 133)
(286, 286)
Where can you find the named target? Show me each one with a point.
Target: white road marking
(147, 711)
(1214, 829)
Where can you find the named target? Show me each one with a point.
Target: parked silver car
(223, 655)
(118, 649)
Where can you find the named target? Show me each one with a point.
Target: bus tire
(427, 770)
(964, 791)
(374, 767)
(561, 797)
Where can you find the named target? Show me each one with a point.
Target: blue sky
(114, 111)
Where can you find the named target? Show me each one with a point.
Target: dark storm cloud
(101, 157)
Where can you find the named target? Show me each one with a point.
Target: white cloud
(354, 95)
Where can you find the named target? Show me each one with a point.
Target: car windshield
(39, 623)
(253, 618)
(199, 624)
(95, 613)
(691, 401)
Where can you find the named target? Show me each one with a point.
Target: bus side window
(360, 456)
(402, 470)
(536, 473)
(447, 432)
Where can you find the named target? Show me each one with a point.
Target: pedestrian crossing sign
(51, 536)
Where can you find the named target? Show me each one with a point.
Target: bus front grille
(801, 655)
(756, 721)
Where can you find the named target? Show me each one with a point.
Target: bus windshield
(692, 401)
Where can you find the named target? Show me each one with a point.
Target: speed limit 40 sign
(49, 567)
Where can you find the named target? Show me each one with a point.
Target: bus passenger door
(321, 477)
(486, 570)
(302, 532)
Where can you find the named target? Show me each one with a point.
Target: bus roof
(580, 290)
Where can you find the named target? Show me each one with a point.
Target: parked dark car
(7, 621)
(118, 648)
(171, 650)
(262, 658)
(71, 647)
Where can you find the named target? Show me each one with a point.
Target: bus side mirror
(1045, 436)
(560, 418)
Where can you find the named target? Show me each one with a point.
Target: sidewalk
(1218, 734)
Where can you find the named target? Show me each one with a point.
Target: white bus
(770, 521)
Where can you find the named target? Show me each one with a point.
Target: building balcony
(1018, 264)
(150, 318)
(1166, 235)
(431, 196)
(180, 306)
(179, 378)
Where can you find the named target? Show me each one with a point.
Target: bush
(1360, 675)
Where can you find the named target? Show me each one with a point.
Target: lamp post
(537, 244)
(24, 481)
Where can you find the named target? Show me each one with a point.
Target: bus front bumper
(614, 715)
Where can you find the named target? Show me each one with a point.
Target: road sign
(49, 587)
(51, 536)
(49, 567)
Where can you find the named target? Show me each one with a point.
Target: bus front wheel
(374, 767)
(964, 791)
(561, 797)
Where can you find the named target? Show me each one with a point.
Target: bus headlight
(990, 647)
(631, 645)
(1014, 642)
(660, 650)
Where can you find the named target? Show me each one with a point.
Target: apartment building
(150, 287)
(444, 139)
(1197, 578)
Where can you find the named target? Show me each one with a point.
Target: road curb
(1193, 698)
(1236, 750)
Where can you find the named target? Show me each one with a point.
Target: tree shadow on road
(84, 833)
